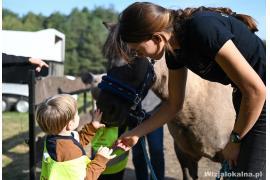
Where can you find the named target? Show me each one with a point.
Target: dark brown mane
(110, 50)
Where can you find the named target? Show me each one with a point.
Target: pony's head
(124, 81)
(122, 91)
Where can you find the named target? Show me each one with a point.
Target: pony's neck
(160, 86)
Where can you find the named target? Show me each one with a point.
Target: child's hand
(106, 152)
(96, 119)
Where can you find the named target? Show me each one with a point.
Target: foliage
(84, 31)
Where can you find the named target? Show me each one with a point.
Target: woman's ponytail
(248, 20)
(182, 14)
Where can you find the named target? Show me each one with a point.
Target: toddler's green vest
(106, 137)
(74, 169)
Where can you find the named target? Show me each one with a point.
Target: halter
(135, 97)
(129, 93)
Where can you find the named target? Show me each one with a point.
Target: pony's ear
(109, 25)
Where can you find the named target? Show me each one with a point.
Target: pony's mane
(109, 50)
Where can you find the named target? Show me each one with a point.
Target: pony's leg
(188, 164)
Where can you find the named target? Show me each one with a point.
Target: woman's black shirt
(205, 33)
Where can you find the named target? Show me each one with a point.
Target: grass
(80, 102)
(15, 157)
(15, 150)
(14, 121)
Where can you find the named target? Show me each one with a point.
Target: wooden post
(32, 141)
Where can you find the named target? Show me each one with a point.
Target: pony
(200, 129)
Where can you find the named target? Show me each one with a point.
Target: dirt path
(172, 167)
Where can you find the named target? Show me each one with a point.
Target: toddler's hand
(106, 152)
(96, 119)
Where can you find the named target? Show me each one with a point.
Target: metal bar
(32, 143)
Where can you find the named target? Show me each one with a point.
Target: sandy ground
(172, 167)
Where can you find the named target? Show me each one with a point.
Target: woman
(218, 45)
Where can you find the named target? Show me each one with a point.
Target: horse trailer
(47, 44)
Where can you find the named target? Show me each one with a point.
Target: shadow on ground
(130, 175)
(16, 150)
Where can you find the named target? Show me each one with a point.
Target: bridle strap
(127, 92)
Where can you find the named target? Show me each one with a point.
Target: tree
(55, 20)
(84, 31)
(11, 20)
(32, 22)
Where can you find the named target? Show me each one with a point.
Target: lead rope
(143, 144)
(225, 168)
(148, 162)
(146, 157)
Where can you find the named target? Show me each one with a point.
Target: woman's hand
(96, 119)
(231, 153)
(126, 141)
(38, 62)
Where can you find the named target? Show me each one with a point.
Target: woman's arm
(177, 86)
(11, 59)
(247, 80)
